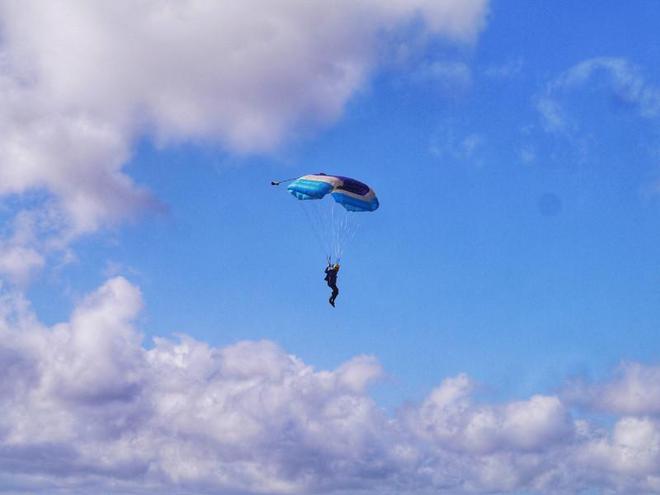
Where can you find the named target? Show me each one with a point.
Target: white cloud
(81, 81)
(445, 143)
(505, 71)
(634, 389)
(244, 417)
(627, 460)
(527, 154)
(87, 407)
(623, 80)
(570, 110)
(552, 114)
(449, 417)
(18, 263)
(449, 78)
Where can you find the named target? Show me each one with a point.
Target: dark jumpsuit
(331, 279)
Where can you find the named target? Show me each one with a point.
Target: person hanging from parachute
(331, 279)
(332, 229)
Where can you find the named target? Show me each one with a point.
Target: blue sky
(516, 158)
(459, 270)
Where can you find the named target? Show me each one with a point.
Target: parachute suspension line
(336, 226)
(313, 221)
(349, 227)
(325, 226)
(320, 216)
(332, 225)
(336, 246)
(344, 226)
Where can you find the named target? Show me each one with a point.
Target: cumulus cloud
(527, 425)
(81, 82)
(87, 406)
(633, 389)
(246, 417)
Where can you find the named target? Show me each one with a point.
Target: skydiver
(331, 278)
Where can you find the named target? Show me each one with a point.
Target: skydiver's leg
(335, 292)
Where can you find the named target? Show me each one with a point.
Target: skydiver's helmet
(336, 266)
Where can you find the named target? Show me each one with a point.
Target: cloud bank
(86, 406)
(81, 82)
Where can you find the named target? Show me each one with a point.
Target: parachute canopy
(350, 193)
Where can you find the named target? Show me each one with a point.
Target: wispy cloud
(448, 78)
(87, 406)
(570, 111)
(623, 80)
(447, 143)
(505, 71)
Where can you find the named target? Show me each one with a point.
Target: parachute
(332, 219)
(350, 193)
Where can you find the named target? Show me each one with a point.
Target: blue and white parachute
(320, 194)
(350, 193)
